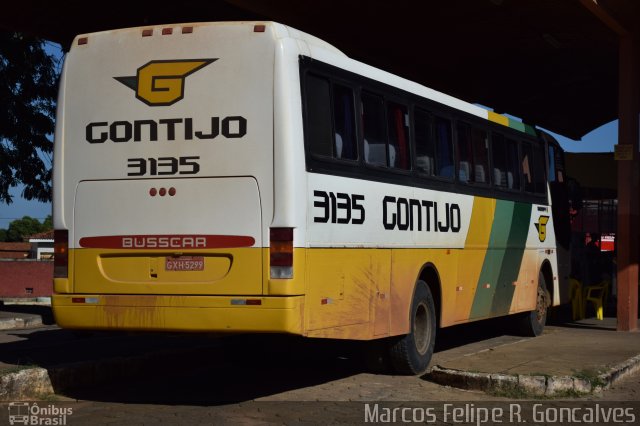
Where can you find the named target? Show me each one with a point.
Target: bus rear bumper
(179, 313)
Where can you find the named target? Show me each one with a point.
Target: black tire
(411, 354)
(532, 323)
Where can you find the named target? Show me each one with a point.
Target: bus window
(444, 148)
(465, 155)
(556, 165)
(539, 181)
(499, 156)
(425, 146)
(344, 121)
(513, 168)
(473, 154)
(480, 143)
(375, 131)
(318, 103)
(506, 173)
(559, 162)
(533, 168)
(398, 135)
(552, 164)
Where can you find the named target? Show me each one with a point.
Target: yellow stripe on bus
(498, 118)
(473, 255)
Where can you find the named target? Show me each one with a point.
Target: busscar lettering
(164, 242)
(167, 129)
(407, 214)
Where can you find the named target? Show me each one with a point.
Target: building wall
(18, 276)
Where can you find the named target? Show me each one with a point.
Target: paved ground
(587, 345)
(286, 380)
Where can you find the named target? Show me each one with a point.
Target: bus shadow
(465, 334)
(201, 370)
(249, 367)
(244, 368)
(42, 311)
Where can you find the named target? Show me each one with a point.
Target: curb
(30, 383)
(13, 323)
(537, 385)
(35, 383)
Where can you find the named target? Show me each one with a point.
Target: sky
(601, 139)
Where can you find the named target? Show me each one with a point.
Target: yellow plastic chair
(575, 295)
(597, 294)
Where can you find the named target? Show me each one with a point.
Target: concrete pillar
(627, 237)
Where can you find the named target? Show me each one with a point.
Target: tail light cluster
(61, 253)
(281, 252)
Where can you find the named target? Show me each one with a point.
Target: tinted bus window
(344, 121)
(374, 129)
(533, 168)
(425, 146)
(513, 165)
(480, 172)
(473, 154)
(499, 157)
(527, 167)
(506, 170)
(552, 164)
(556, 165)
(398, 136)
(465, 153)
(444, 148)
(539, 175)
(318, 104)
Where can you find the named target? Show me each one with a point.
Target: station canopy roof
(552, 63)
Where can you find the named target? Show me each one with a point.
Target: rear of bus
(163, 181)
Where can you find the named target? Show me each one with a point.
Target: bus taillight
(61, 253)
(281, 252)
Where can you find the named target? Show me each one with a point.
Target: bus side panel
(406, 267)
(471, 260)
(346, 290)
(526, 288)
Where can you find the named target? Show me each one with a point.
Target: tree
(28, 90)
(19, 229)
(47, 225)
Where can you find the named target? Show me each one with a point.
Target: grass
(517, 392)
(17, 369)
(592, 376)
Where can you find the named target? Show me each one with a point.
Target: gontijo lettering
(407, 214)
(167, 129)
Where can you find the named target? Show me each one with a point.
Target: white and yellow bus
(248, 177)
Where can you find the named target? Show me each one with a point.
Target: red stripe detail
(167, 241)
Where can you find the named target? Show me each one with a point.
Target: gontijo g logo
(161, 83)
(541, 226)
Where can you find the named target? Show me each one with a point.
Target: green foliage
(19, 229)
(3, 235)
(48, 223)
(28, 91)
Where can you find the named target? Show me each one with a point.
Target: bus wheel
(411, 353)
(532, 323)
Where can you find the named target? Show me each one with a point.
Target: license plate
(184, 263)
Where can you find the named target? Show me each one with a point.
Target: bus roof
(323, 50)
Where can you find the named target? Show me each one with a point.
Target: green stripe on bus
(516, 125)
(529, 130)
(498, 240)
(512, 259)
